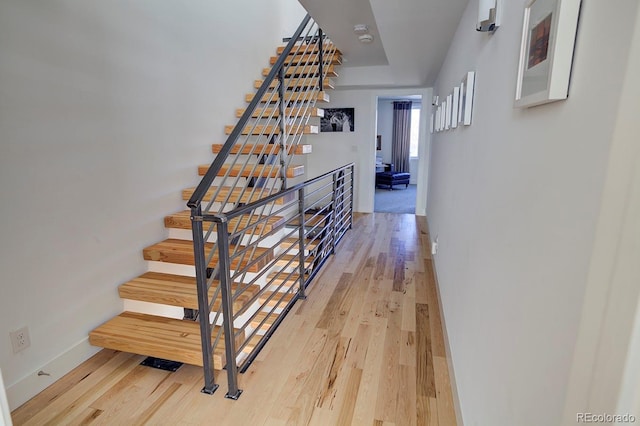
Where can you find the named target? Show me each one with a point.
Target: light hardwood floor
(365, 348)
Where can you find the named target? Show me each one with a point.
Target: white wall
(332, 150)
(605, 374)
(514, 200)
(106, 109)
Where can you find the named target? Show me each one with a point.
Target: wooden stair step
(181, 252)
(306, 59)
(259, 129)
(310, 69)
(309, 245)
(285, 278)
(310, 220)
(301, 49)
(182, 220)
(261, 149)
(260, 170)
(291, 96)
(290, 112)
(259, 317)
(160, 337)
(279, 295)
(179, 290)
(299, 82)
(282, 262)
(237, 195)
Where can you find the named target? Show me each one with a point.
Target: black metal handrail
(201, 190)
(332, 202)
(237, 245)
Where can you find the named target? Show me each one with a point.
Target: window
(415, 130)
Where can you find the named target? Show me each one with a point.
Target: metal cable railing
(252, 165)
(286, 265)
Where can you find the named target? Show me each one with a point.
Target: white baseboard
(32, 384)
(447, 348)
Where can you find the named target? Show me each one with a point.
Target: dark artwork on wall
(337, 120)
(539, 43)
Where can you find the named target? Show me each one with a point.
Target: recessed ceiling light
(365, 38)
(360, 29)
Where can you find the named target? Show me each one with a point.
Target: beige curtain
(401, 143)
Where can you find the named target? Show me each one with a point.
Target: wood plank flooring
(365, 348)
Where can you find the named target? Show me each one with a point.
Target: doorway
(396, 196)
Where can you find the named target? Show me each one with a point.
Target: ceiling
(411, 38)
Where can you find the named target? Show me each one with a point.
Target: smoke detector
(360, 29)
(365, 38)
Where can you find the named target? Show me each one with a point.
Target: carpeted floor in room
(399, 200)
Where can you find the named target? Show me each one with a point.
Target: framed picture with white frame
(546, 51)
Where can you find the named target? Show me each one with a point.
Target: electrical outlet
(434, 246)
(20, 339)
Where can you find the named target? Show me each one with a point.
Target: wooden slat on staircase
(311, 69)
(257, 149)
(161, 337)
(279, 295)
(260, 170)
(181, 252)
(284, 261)
(290, 112)
(291, 96)
(311, 220)
(237, 195)
(269, 320)
(298, 83)
(305, 59)
(295, 129)
(179, 290)
(182, 220)
(287, 244)
(302, 49)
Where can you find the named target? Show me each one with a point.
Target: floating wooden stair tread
(311, 220)
(260, 170)
(238, 195)
(269, 320)
(181, 252)
(295, 129)
(290, 112)
(287, 243)
(161, 337)
(302, 49)
(178, 290)
(182, 220)
(259, 149)
(280, 299)
(291, 96)
(306, 59)
(299, 82)
(285, 279)
(301, 70)
(284, 261)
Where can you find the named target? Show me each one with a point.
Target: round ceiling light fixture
(360, 29)
(365, 38)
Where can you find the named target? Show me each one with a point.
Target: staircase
(256, 240)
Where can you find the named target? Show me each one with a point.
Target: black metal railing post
(283, 126)
(227, 308)
(334, 214)
(301, 290)
(203, 299)
(320, 59)
(351, 198)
